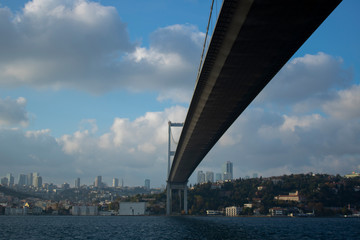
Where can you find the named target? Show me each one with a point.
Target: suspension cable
(206, 36)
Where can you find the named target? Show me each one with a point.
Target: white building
(132, 208)
(209, 176)
(232, 211)
(84, 210)
(200, 177)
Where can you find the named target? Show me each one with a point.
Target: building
(115, 182)
(255, 175)
(10, 178)
(277, 211)
(227, 171)
(84, 210)
(352, 175)
(22, 180)
(4, 181)
(291, 197)
(29, 179)
(232, 211)
(37, 181)
(34, 180)
(77, 183)
(200, 177)
(209, 176)
(218, 177)
(147, 184)
(98, 182)
(132, 208)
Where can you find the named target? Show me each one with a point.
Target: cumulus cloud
(84, 45)
(311, 77)
(13, 112)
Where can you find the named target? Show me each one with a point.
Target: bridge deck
(251, 42)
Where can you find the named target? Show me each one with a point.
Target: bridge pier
(176, 186)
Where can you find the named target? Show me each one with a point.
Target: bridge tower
(174, 186)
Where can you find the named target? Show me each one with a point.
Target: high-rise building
(115, 182)
(98, 182)
(255, 175)
(37, 181)
(29, 179)
(22, 180)
(77, 183)
(200, 177)
(35, 175)
(10, 178)
(4, 181)
(227, 171)
(147, 184)
(209, 176)
(218, 177)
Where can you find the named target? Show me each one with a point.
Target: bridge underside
(251, 42)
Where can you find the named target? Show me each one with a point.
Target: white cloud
(345, 105)
(13, 112)
(303, 78)
(84, 45)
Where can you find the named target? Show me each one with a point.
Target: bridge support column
(180, 187)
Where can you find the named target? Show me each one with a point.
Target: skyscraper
(29, 179)
(10, 178)
(22, 180)
(37, 182)
(35, 176)
(98, 182)
(77, 183)
(209, 176)
(147, 184)
(200, 177)
(227, 171)
(115, 182)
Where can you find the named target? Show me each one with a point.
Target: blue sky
(86, 89)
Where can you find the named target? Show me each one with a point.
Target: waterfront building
(132, 208)
(200, 177)
(209, 176)
(232, 211)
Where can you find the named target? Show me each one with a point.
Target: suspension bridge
(251, 42)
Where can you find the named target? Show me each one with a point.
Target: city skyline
(87, 89)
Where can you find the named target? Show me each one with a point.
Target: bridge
(251, 42)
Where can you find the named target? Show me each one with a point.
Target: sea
(180, 227)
